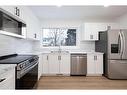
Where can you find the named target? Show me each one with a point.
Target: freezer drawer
(78, 64)
(117, 69)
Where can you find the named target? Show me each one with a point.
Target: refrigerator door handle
(119, 43)
(122, 43)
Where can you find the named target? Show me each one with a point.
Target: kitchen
(52, 47)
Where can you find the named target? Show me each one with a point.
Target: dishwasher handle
(80, 55)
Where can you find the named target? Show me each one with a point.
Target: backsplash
(10, 45)
(87, 46)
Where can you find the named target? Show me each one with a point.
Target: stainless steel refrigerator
(114, 45)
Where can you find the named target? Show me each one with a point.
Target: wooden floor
(80, 82)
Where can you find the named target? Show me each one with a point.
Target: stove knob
(21, 66)
(24, 65)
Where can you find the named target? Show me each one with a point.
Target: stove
(14, 58)
(26, 69)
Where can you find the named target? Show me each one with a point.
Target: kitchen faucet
(60, 49)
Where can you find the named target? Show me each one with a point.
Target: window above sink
(53, 37)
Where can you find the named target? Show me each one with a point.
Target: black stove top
(14, 58)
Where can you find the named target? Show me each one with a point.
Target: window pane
(59, 36)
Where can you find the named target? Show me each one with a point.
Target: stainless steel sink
(59, 51)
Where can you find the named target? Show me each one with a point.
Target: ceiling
(78, 12)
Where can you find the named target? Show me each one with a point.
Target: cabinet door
(89, 31)
(14, 10)
(99, 64)
(114, 25)
(90, 64)
(40, 66)
(93, 31)
(94, 28)
(9, 82)
(45, 64)
(9, 9)
(54, 64)
(65, 64)
(32, 23)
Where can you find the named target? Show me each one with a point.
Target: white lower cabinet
(8, 78)
(55, 63)
(94, 64)
(45, 64)
(65, 64)
(40, 66)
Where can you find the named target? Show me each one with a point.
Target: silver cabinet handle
(35, 35)
(91, 36)
(17, 11)
(95, 57)
(60, 57)
(1, 80)
(47, 58)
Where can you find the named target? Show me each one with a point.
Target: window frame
(66, 47)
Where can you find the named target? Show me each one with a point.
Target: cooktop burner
(14, 58)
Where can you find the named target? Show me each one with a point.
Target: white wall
(122, 20)
(86, 46)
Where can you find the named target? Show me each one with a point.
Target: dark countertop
(15, 59)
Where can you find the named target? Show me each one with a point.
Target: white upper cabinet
(25, 14)
(8, 9)
(33, 25)
(14, 11)
(113, 25)
(89, 31)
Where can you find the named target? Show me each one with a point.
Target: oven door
(29, 80)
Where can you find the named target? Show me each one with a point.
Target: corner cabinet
(89, 31)
(94, 64)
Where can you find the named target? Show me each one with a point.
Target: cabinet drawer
(8, 80)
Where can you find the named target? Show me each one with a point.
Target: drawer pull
(2, 79)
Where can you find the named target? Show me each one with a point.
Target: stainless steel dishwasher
(78, 64)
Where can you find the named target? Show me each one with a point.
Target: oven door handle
(20, 74)
(29, 68)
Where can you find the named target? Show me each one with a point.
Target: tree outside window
(59, 37)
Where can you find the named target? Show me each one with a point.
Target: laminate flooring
(79, 83)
